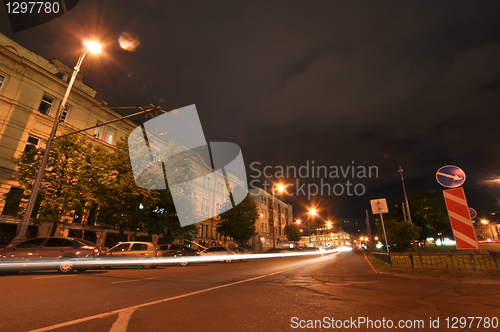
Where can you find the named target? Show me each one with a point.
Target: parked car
(178, 250)
(243, 251)
(216, 251)
(65, 254)
(146, 252)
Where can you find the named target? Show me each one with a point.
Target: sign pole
(383, 227)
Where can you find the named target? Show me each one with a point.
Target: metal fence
(449, 261)
(382, 256)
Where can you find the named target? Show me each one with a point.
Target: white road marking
(133, 308)
(242, 267)
(121, 324)
(64, 275)
(132, 280)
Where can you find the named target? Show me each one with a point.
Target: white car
(219, 251)
(146, 253)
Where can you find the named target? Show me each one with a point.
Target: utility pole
(415, 246)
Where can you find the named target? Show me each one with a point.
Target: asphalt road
(277, 294)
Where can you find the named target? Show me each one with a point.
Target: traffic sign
(450, 176)
(379, 206)
(473, 213)
(460, 219)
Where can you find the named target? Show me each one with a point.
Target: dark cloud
(381, 83)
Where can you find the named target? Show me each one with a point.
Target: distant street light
(92, 47)
(298, 221)
(280, 188)
(311, 212)
(487, 222)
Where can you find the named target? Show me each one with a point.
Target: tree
(292, 233)
(125, 204)
(239, 222)
(62, 187)
(399, 233)
(428, 211)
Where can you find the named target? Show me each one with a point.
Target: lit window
(64, 114)
(31, 143)
(98, 131)
(45, 105)
(109, 136)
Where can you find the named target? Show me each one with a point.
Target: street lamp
(280, 187)
(311, 212)
(298, 221)
(92, 47)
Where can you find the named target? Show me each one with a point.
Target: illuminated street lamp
(92, 47)
(298, 221)
(329, 224)
(280, 188)
(311, 212)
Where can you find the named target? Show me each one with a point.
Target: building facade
(281, 213)
(31, 90)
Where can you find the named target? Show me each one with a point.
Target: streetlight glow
(484, 221)
(92, 46)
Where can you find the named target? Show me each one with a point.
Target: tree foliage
(80, 174)
(292, 233)
(239, 222)
(63, 187)
(399, 233)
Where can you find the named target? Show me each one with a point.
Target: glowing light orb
(129, 41)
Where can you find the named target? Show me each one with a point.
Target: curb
(462, 281)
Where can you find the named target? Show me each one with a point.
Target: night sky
(380, 83)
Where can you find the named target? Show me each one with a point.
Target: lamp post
(280, 188)
(92, 47)
(311, 212)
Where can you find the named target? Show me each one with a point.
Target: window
(2, 81)
(64, 114)
(98, 131)
(206, 181)
(109, 136)
(204, 206)
(12, 201)
(55, 242)
(139, 247)
(219, 187)
(45, 105)
(31, 243)
(31, 143)
(120, 248)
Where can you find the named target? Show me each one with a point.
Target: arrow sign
(450, 176)
(473, 213)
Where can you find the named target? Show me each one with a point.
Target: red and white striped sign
(460, 220)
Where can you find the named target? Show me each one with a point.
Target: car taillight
(95, 251)
(156, 253)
